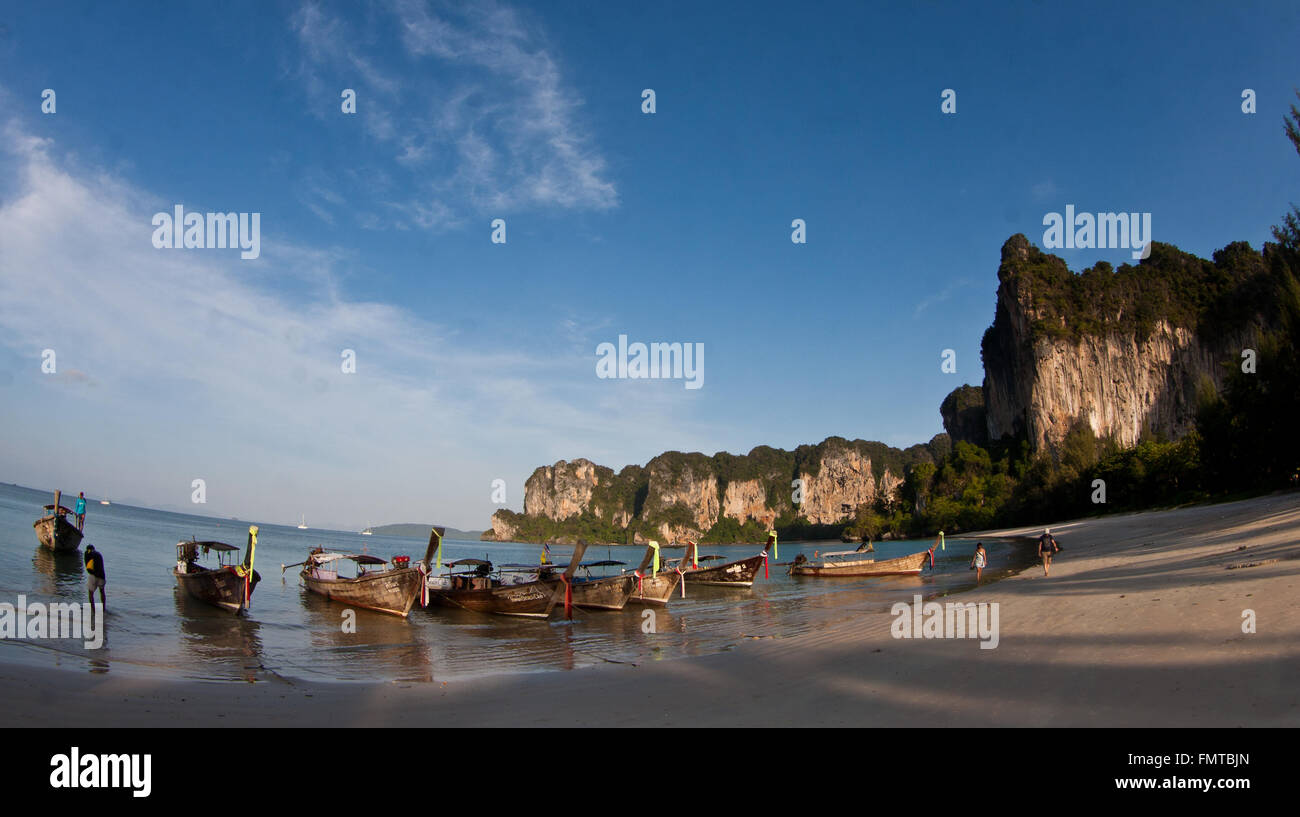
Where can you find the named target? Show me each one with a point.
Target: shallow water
(153, 627)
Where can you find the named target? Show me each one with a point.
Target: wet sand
(1139, 624)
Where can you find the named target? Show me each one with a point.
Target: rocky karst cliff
(1127, 353)
(679, 496)
(1124, 352)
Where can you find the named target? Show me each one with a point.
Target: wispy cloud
(940, 296)
(474, 109)
(208, 366)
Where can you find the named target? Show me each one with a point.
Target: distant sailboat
(302, 525)
(105, 502)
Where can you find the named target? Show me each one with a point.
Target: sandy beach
(1139, 624)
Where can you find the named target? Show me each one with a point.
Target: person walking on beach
(80, 510)
(1047, 545)
(95, 567)
(979, 561)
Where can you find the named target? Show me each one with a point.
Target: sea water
(154, 628)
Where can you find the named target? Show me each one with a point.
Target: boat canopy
(604, 563)
(221, 547)
(462, 562)
(359, 558)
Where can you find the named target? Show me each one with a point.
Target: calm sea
(153, 628)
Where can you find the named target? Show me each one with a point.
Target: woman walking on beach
(1046, 547)
(979, 561)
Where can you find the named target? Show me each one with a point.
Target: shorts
(94, 583)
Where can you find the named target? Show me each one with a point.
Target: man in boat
(80, 510)
(95, 568)
(1047, 545)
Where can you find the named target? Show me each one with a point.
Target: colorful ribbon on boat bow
(568, 595)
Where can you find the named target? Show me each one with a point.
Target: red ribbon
(765, 574)
(932, 557)
(640, 591)
(568, 596)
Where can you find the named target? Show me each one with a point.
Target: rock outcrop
(677, 496)
(1128, 375)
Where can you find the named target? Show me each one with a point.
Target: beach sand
(1139, 624)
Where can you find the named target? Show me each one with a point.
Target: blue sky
(476, 361)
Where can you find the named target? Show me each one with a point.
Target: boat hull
(57, 533)
(733, 574)
(610, 593)
(527, 600)
(657, 589)
(390, 591)
(222, 588)
(902, 566)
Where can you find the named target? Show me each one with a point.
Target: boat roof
(603, 563)
(359, 558)
(460, 562)
(218, 546)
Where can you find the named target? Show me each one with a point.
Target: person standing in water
(80, 510)
(979, 561)
(1046, 547)
(97, 580)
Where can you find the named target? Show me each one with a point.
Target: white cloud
(206, 365)
(475, 110)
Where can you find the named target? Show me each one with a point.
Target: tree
(1288, 232)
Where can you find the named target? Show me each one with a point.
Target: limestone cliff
(1125, 353)
(677, 496)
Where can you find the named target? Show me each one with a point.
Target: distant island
(417, 530)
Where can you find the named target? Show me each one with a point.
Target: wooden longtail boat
(740, 573)
(479, 590)
(602, 592)
(387, 589)
(54, 531)
(656, 586)
(852, 563)
(227, 585)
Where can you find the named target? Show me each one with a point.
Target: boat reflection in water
(360, 643)
(225, 646)
(64, 568)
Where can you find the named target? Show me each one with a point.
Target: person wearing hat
(95, 567)
(1047, 545)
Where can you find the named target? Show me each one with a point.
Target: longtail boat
(603, 592)
(853, 563)
(228, 586)
(54, 531)
(740, 573)
(656, 586)
(480, 590)
(376, 584)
